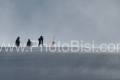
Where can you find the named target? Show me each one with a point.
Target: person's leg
(42, 45)
(39, 44)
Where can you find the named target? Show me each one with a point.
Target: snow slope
(38, 65)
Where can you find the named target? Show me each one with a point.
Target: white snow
(38, 65)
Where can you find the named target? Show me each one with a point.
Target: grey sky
(67, 20)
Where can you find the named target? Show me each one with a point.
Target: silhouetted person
(29, 43)
(17, 42)
(40, 41)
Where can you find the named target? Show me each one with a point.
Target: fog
(67, 20)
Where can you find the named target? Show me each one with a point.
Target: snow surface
(38, 65)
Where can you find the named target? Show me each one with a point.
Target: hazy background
(67, 20)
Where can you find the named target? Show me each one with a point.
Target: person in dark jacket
(29, 43)
(17, 42)
(40, 41)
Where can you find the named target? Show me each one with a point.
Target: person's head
(41, 36)
(28, 39)
(18, 38)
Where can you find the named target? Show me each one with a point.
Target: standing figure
(17, 42)
(40, 41)
(53, 42)
(29, 43)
